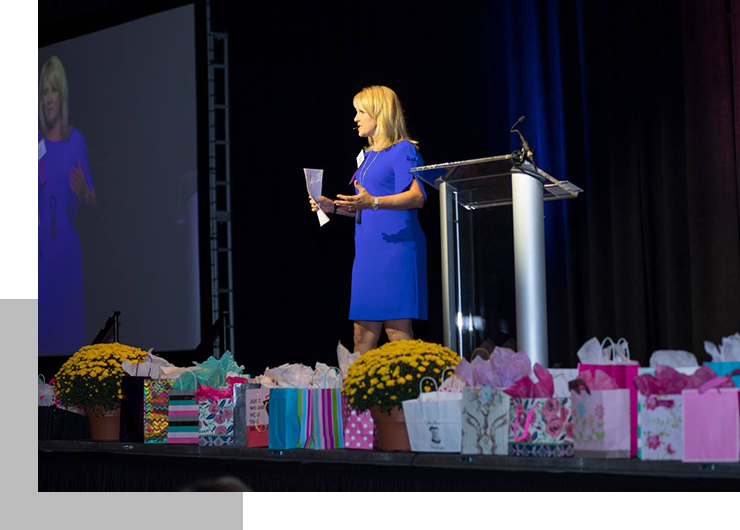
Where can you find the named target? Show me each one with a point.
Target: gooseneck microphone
(526, 151)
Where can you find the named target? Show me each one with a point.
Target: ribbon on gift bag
(711, 421)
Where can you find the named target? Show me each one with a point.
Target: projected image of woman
(64, 185)
(389, 275)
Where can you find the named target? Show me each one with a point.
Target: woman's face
(51, 101)
(366, 126)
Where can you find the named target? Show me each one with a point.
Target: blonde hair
(383, 105)
(53, 73)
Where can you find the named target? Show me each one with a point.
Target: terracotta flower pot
(105, 426)
(392, 433)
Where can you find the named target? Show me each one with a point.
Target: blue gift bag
(290, 418)
(724, 369)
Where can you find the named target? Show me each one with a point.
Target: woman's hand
(79, 185)
(326, 204)
(353, 203)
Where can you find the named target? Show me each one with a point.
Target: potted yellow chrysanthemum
(381, 379)
(91, 379)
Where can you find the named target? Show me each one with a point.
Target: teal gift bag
(722, 369)
(290, 418)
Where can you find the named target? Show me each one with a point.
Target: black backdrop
(634, 102)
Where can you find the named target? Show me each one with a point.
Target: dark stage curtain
(634, 103)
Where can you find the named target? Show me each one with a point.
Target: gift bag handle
(442, 380)
(626, 347)
(717, 381)
(326, 375)
(613, 346)
(42, 379)
(577, 384)
(191, 372)
(436, 386)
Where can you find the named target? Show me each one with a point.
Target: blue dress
(389, 276)
(61, 286)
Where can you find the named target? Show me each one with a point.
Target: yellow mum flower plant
(401, 360)
(92, 376)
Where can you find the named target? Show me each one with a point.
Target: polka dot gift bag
(359, 428)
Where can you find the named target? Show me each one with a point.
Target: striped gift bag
(182, 425)
(156, 410)
(326, 422)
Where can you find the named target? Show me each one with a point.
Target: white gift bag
(433, 421)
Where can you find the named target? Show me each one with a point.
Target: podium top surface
(486, 182)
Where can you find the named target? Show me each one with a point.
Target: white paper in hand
(314, 178)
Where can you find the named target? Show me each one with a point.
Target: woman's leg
(399, 329)
(367, 335)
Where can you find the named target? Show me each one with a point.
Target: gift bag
(326, 421)
(290, 418)
(601, 419)
(660, 427)
(359, 428)
(725, 368)
(251, 415)
(484, 421)
(433, 421)
(215, 416)
(624, 375)
(711, 422)
(132, 408)
(182, 411)
(156, 410)
(541, 427)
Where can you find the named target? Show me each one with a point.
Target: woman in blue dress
(64, 185)
(389, 275)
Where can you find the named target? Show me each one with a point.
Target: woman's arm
(329, 206)
(410, 199)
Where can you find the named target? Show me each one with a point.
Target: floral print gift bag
(660, 411)
(215, 416)
(601, 417)
(539, 425)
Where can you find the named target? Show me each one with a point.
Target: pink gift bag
(359, 428)
(624, 375)
(711, 422)
(601, 420)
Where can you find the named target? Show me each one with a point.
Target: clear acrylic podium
(466, 188)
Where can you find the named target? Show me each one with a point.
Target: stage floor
(113, 466)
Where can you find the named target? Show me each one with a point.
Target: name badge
(360, 158)
(42, 149)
